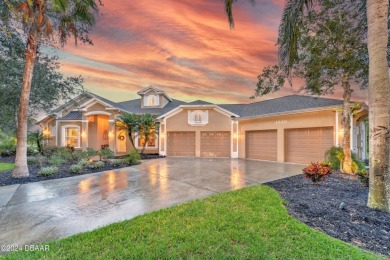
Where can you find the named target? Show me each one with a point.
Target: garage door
(308, 145)
(181, 144)
(215, 144)
(261, 145)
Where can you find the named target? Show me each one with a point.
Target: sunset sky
(185, 47)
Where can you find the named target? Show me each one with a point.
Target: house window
(152, 140)
(197, 118)
(151, 101)
(71, 136)
(53, 130)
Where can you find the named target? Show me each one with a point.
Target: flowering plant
(317, 171)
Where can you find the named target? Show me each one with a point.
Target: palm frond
(24, 8)
(60, 6)
(289, 30)
(229, 10)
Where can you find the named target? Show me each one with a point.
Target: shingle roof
(261, 108)
(199, 102)
(280, 105)
(134, 106)
(73, 115)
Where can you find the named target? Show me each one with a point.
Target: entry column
(280, 144)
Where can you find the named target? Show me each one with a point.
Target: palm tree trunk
(347, 162)
(132, 140)
(21, 168)
(379, 101)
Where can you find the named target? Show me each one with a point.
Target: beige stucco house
(294, 128)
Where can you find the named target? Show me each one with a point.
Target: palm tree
(379, 96)
(131, 124)
(147, 128)
(40, 19)
(379, 87)
(37, 138)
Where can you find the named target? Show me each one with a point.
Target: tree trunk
(132, 140)
(145, 142)
(21, 168)
(347, 162)
(379, 102)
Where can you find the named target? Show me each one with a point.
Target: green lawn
(249, 223)
(6, 166)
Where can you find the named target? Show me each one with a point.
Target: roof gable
(158, 91)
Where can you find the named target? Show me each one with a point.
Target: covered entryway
(308, 144)
(215, 144)
(181, 144)
(261, 145)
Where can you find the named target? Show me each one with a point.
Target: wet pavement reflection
(48, 210)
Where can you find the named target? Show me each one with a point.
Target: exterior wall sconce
(162, 135)
(46, 132)
(83, 134)
(110, 134)
(235, 135)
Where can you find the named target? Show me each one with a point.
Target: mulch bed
(144, 156)
(6, 177)
(319, 207)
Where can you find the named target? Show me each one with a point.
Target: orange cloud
(185, 47)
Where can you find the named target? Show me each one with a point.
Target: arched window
(151, 101)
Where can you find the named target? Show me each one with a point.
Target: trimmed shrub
(40, 160)
(105, 153)
(83, 163)
(48, 171)
(99, 165)
(91, 152)
(49, 150)
(133, 158)
(7, 145)
(96, 165)
(56, 160)
(65, 153)
(31, 151)
(335, 156)
(317, 171)
(76, 168)
(80, 155)
(118, 162)
(32, 159)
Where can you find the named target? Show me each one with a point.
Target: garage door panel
(261, 145)
(181, 144)
(215, 144)
(308, 145)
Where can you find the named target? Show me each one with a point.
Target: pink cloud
(185, 47)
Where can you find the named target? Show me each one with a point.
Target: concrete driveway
(47, 210)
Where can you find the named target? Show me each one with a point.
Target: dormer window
(151, 101)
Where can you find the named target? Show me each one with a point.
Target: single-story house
(294, 128)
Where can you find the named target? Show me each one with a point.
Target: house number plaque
(280, 122)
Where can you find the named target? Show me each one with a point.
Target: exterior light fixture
(45, 132)
(83, 134)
